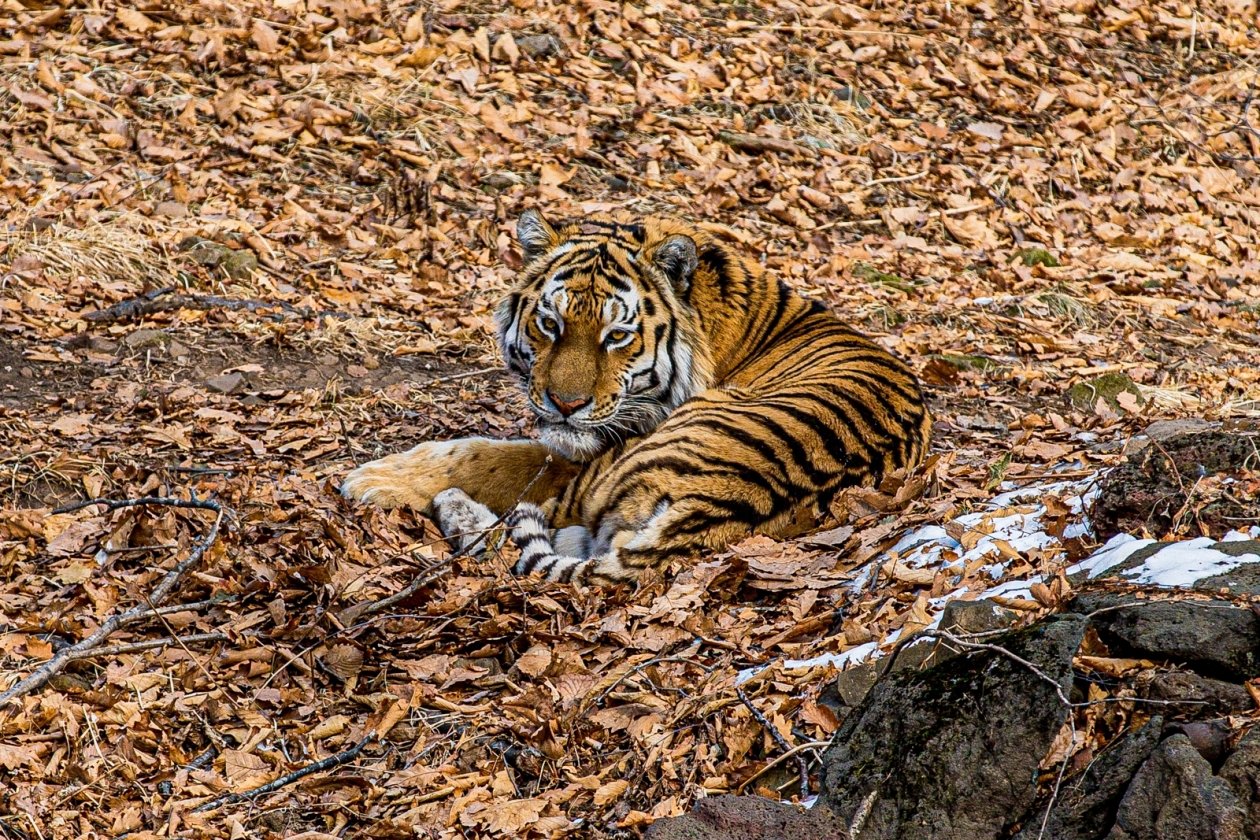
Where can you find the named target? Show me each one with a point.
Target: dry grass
(123, 248)
(1066, 308)
(827, 125)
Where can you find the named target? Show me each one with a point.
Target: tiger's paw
(465, 522)
(406, 479)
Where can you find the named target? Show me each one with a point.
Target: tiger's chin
(576, 444)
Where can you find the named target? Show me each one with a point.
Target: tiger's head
(600, 330)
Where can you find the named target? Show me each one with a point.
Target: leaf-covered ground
(245, 246)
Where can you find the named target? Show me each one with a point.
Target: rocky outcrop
(907, 761)
(951, 743)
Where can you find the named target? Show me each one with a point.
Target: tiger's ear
(676, 257)
(535, 234)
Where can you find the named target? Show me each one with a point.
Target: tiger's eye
(550, 325)
(616, 336)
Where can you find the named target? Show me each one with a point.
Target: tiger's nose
(567, 407)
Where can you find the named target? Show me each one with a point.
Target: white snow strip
(1115, 552)
(852, 656)
(1015, 518)
(1184, 563)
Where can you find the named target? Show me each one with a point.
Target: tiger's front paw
(465, 522)
(407, 479)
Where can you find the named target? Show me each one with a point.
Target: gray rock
(538, 46)
(853, 683)
(1174, 796)
(962, 618)
(1192, 694)
(953, 751)
(747, 818)
(1086, 806)
(141, 339)
(1148, 492)
(1242, 771)
(227, 383)
(1215, 638)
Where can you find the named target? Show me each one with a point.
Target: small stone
(537, 46)
(356, 371)
(853, 683)
(240, 264)
(140, 339)
(881, 155)
(502, 180)
(1038, 256)
(227, 383)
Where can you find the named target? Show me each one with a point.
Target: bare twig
(54, 666)
(756, 144)
(795, 752)
(899, 179)
(335, 760)
(148, 644)
(801, 766)
(164, 300)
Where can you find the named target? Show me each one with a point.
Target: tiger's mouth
(577, 443)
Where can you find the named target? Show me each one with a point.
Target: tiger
(684, 400)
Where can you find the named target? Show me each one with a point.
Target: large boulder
(1215, 638)
(1086, 808)
(953, 751)
(951, 742)
(1175, 795)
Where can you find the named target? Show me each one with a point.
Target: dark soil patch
(154, 357)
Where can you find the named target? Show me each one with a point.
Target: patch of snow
(1184, 563)
(852, 656)
(1015, 517)
(1115, 552)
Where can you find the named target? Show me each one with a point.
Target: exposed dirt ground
(244, 247)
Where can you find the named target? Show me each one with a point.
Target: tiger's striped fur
(686, 401)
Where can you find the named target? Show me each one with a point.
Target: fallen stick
(41, 675)
(756, 144)
(149, 644)
(332, 761)
(802, 767)
(164, 300)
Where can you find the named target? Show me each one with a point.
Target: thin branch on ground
(54, 666)
(802, 766)
(795, 752)
(335, 760)
(165, 300)
(149, 644)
